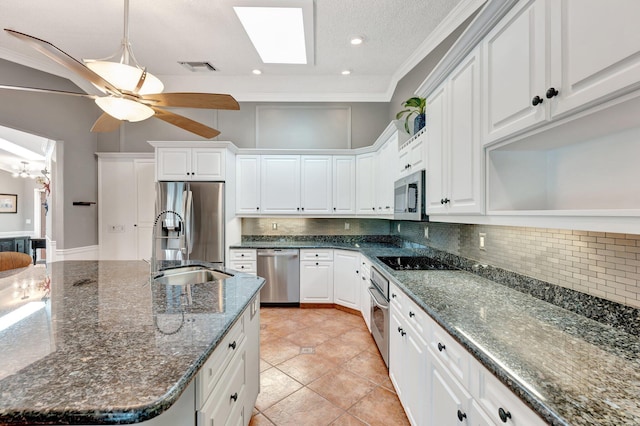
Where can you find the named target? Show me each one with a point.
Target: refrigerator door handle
(189, 223)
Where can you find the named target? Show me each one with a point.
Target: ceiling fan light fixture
(124, 109)
(125, 76)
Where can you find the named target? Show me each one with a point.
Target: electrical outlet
(116, 228)
(426, 232)
(274, 226)
(482, 240)
(347, 225)
(28, 221)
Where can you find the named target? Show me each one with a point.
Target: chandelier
(24, 172)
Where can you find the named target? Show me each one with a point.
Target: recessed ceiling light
(356, 40)
(346, 72)
(257, 72)
(277, 33)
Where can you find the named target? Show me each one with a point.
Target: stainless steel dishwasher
(281, 270)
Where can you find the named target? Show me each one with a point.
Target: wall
(601, 264)
(14, 223)
(303, 226)
(60, 118)
(368, 120)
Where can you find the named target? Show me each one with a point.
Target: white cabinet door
(252, 317)
(365, 297)
(436, 151)
(280, 184)
(396, 351)
(344, 184)
(594, 50)
(207, 164)
(514, 71)
(386, 175)
(316, 184)
(346, 281)
(247, 184)
(144, 171)
(173, 163)
(365, 184)
(449, 401)
(316, 281)
(417, 154)
(465, 163)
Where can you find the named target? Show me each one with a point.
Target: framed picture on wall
(8, 203)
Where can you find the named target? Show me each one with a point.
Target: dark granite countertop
(102, 345)
(568, 368)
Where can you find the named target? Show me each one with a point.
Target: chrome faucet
(180, 236)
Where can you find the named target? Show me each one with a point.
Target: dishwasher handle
(278, 253)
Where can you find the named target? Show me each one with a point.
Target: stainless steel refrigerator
(201, 205)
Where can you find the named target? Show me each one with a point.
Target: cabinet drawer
(223, 403)
(450, 353)
(247, 267)
(397, 298)
(217, 363)
(242, 254)
(417, 318)
(316, 254)
(496, 400)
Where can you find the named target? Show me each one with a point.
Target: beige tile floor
(321, 367)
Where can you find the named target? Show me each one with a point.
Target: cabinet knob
(504, 415)
(257, 208)
(411, 314)
(232, 345)
(316, 263)
(441, 347)
(234, 397)
(441, 200)
(242, 255)
(461, 415)
(357, 272)
(302, 208)
(402, 333)
(537, 100)
(135, 225)
(241, 266)
(373, 208)
(393, 295)
(334, 209)
(363, 278)
(317, 255)
(446, 200)
(298, 208)
(551, 92)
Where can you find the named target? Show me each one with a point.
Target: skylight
(277, 33)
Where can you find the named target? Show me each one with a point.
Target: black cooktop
(415, 263)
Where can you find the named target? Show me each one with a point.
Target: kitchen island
(98, 344)
(567, 368)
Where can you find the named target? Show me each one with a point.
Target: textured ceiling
(163, 32)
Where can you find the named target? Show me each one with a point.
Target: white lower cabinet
(408, 361)
(438, 382)
(346, 283)
(316, 276)
(365, 298)
(243, 260)
(228, 383)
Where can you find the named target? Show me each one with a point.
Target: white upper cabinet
(547, 58)
(455, 176)
(412, 155)
(386, 175)
(365, 184)
(247, 184)
(595, 50)
(344, 184)
(180, 164)
(280, 184)
(316, 184)
(514, 71)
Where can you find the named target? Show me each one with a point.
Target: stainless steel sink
(189, 275)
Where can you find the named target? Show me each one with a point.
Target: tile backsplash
(601, 264)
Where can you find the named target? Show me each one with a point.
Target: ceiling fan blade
(192, 100)
(64, 59)
(186, 123)
(106, 123)
(56, 92)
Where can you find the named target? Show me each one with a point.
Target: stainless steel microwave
(409, 197)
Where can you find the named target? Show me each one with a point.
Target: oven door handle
(374, 297)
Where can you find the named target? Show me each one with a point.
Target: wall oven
(409, 197)
(379, 292)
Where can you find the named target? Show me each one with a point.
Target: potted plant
(415, 105)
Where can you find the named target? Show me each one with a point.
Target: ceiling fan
(130, 92)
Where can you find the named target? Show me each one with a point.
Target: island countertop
(100, 345)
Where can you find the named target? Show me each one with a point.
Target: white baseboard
(76, 253)
(14, 234)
